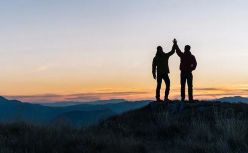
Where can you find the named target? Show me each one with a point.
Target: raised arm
(172, 50)
(154, 66)
(178, 51)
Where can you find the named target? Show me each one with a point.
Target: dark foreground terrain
(202, 127)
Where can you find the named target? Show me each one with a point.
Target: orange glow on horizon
(134, 94)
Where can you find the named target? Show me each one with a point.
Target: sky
(84, 50)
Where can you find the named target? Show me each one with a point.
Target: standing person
(187, 65)
(161, 66)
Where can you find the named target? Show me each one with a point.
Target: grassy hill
(201, 127)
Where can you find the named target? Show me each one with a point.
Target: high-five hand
(174, 41)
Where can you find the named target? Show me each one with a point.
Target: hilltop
(200, 127)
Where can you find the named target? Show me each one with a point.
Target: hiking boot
(167, 100)
(159, 100)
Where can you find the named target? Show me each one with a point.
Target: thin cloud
(208, 89)
(82, 97)
(201, 93)
(46, 67)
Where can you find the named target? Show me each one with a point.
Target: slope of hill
(201, 127)
(195, 127)
(79, 118)
(13, 110)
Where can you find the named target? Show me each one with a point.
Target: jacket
(188, 61)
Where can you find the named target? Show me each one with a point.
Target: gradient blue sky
(92, 46)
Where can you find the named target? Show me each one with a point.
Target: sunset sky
(84, 50)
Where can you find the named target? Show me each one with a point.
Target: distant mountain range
(77, 114)
(235, 99)
(74, 113)
(71, 103)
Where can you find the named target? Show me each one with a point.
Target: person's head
(159, 51)
(187, 49)
(159, 48)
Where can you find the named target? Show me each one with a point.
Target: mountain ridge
(13, 111)
(233, 99)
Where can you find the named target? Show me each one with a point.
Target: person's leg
(190, 86)
(159, 81)
(167, 90)
(183, 81)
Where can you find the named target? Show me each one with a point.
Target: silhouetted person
(187, 65)
(160, 64)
